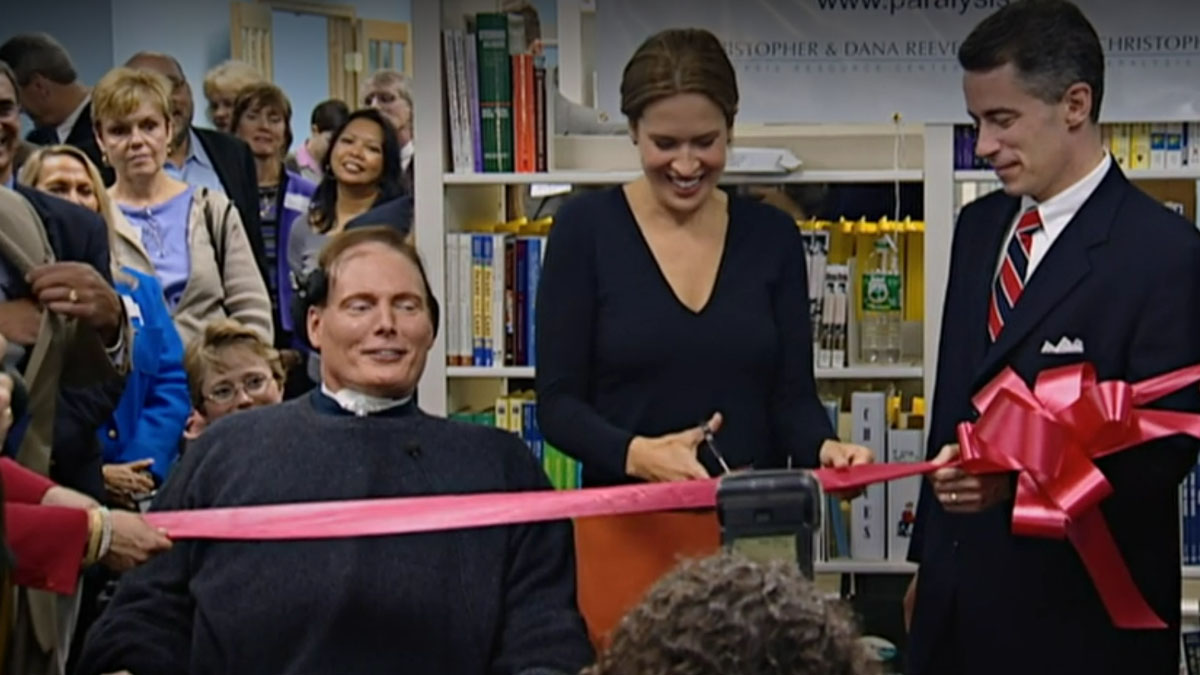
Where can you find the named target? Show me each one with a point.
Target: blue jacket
(294, 198)
(149, 420)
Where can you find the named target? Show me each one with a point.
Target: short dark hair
(1051, 44)
(263, 95)
(32, 54)
(729, 614)
(322, 211)
(329, 115)
(6, 71)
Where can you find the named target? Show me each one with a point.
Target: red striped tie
(1011, 280)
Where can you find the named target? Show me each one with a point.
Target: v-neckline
(716, 283)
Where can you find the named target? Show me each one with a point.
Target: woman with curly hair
(730, 615)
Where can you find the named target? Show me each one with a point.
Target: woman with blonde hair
(141, 440)
(222, 84)
(191, 238)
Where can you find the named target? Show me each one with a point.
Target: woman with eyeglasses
(191, 238)
(230, 368)
(141, 440)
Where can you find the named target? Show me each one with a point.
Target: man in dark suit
(208, 158)
(51, 94)
(1070, 263)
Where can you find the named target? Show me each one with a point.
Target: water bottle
(880, 297)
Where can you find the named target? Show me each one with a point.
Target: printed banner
(860, 61)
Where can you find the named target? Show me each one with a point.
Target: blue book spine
(534, 268)
(476, 291)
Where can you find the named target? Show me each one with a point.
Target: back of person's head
(329, 115)
(32, 54)
(123, 90)
(729, 615)
(229, 78)
(679, 61)
(210, 354)
(1050, 44)
(323, 208)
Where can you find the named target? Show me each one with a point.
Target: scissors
(712, 446)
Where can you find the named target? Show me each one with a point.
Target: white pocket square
(1065, 345)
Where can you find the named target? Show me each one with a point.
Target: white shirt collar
(406, 155)
(360, 404)
(64, 129)
(1057, 211)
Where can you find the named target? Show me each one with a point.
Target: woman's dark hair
(729, 615)
(323, 210)
(679, 61)
(261, 96)
(1050, 43)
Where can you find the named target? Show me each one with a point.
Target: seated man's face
(242, 380)
(375, 329)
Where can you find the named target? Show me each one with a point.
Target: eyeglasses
(226, 392)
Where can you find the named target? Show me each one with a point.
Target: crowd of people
(198, 317)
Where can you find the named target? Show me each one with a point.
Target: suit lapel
(1062, 268)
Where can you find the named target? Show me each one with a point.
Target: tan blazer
(236, 290)
(66, 353)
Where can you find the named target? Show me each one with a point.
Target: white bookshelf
(1191, 571)
(900, 372)
(611, 177)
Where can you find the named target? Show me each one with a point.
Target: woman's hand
(836, 455)
(670, 457)
(134, 542)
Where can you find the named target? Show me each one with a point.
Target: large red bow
(1051, 436)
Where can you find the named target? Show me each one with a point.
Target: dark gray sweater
(487, 600)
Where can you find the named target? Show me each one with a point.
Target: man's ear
(1079, 101)
(314, 327)
(633, 131)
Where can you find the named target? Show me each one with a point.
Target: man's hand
(125, 480)
(835, 455)
(134, 542)
(77, 290)
(669, 457)
(20, 321)
(961, 492)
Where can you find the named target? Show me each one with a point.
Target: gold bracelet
(95, 530)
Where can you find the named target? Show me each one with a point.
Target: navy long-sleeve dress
(619, 355)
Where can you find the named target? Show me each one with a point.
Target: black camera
(770, 515)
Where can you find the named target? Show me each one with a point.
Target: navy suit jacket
(1124, 278)
(82, 136)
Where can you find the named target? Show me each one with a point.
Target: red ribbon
(1049, 436)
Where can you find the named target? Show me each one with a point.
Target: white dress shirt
(360, 404)
(1056, 214)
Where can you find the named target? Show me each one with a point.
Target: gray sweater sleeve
(147, 629)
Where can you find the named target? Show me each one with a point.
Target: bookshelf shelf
(621, 176)
(847, 566)
(500, 372)
(857, 373)
(899, 372)
(1185, 173)
(1191, 571)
